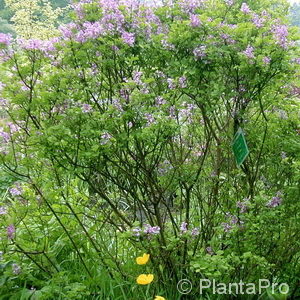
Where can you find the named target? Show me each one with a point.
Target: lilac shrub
(120, 132)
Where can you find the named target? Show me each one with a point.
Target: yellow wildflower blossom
(142, 260)
(145, 279)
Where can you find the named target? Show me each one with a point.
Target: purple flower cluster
(86, 108)
(46, 46)
(182, 82)
(194, 20)
(148, 229)
(16, 190)
(245, 8)
(243, 205)
(16, 269)
(4, 135)
(160, 101)
(183, 228)
(137, 77)
(195, 231)
(128, 38)
(68, 30)
(93, 30)
(227, 38)
(276, 200)
(258, 21)
(189, 6)
(5, 39)
(105, 138)
(186, 113)
(281, 33)
(149, 118)
(3, 102)
(296, 60)
(3, 210)
(200, 51)
(232, 221)
(209, 250)
(136, 231)
(10, 230)
(249, 52)
(167, 45)
(227, 227)
(171, 84)
(117, 104)
(266, 60)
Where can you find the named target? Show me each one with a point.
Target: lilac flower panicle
(4, 135)
(234, 220)
(171, 84)
(86, 108)
(128, 38)
(281, 33)
(296, 60)
(200, 51)
(160, 74)
(3, 210)
(16, 190)
(160, 100)
(209, 250)
(105, 138)
(172, 112)
(194, 20)
(136, 231)
(67, 30)
(3, 102)
(167, 45)
(275, 201)
(182, 82)
(16, 269)
(117, 104)
(243, 205)
(229, 2)
(249, 52)
(10, 230)
(227, 227)
(195, 231)
(189, 6)
(115, 48)
(148, 229)
(137, 77)
(183, 227)
(149, 118)
(245, 8)
(5, 39)
(258, 21)
(266, 60)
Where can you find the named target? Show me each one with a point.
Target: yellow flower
(159, 298)
(142, 260)
(145, 279)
